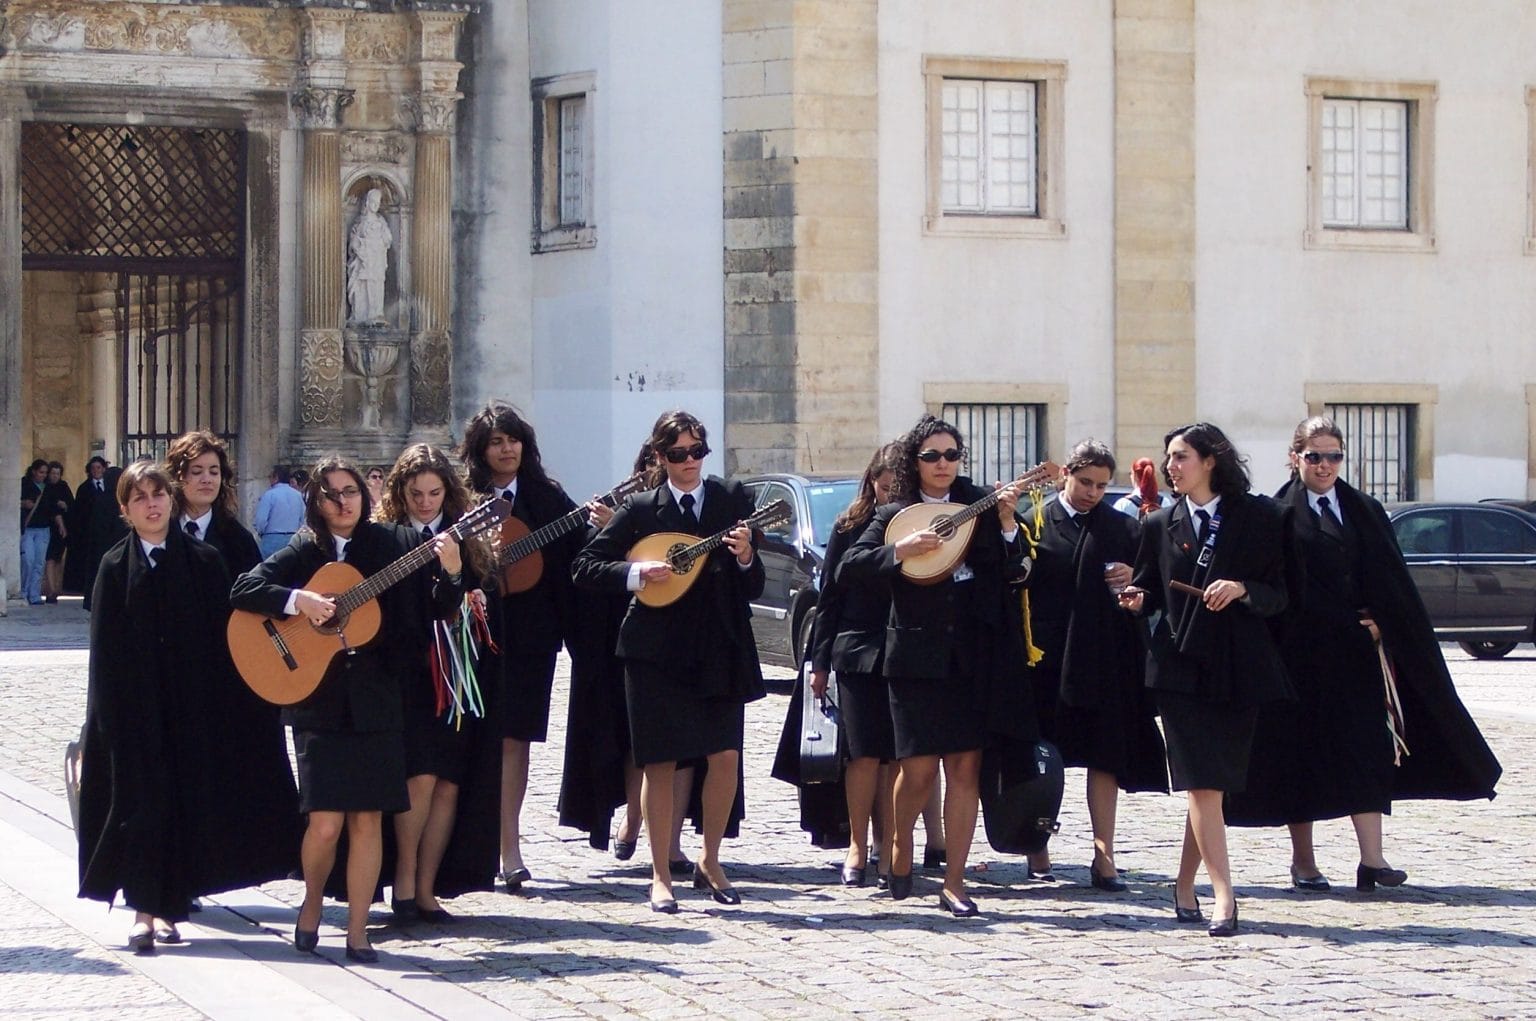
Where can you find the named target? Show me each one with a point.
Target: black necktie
(426, 532)
(155, 556)
(689, 517)
(342, 556)
(1077, 521)
(99, 487)
(1328, 521)
(508, 495)
(1204, 517)
(192, 529)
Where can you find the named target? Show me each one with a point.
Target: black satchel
(1021, 788)
(821, 746)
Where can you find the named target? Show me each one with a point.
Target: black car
(792, 553)
(1475, 567)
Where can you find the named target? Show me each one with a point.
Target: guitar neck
(563, 525)
(374, 585)
(702, 548)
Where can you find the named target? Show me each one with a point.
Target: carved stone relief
(321, 108)
(430, 111)
(229, 32)
(320, 377)
(366, 147)
(379, 38)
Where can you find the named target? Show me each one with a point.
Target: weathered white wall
(958, 309)
(632, 327)
(1273, 316)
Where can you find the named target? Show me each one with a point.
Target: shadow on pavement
(35, 960)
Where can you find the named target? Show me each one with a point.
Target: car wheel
(1488, 650)
(802, 632)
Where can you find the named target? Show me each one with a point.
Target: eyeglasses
(338, 495)
(375, 477)
(1318, 456)
(931, 456)
(677, 455)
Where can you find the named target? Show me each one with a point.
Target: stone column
(13, 459)
(1154, 223)
(433, 109)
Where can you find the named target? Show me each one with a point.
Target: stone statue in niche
(368, 244)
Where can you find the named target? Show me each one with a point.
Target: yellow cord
(1033, 654)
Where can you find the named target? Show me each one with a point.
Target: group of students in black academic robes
(1270, 622)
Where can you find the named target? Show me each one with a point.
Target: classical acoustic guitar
(684, 553)
(955, 527)
(283, 660)
(519, 564)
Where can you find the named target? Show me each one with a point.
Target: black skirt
(669, 722)
(348, 771)
(937, 716)
(436, 747)
(1119, 737)
(527, 681)
(1209, 743)
(865, 702)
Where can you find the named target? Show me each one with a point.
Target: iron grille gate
(160, 213)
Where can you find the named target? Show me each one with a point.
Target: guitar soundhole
(944, 527)
(675, 560)
(336, 625)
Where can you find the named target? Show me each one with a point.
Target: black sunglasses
(931, 456)
(1318, 457)
(677, 455)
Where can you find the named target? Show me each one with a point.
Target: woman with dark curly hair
(206, 507)
(1215, 564)
(951, 648)
(501, 452)
(452, 772)
(347, 735)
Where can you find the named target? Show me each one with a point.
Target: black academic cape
(234, 542)
(96, 527)
(597, 721)
(185, 785)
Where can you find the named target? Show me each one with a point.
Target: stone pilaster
(13, 458)
(801, 239)
(1154, 222)
(434, 111)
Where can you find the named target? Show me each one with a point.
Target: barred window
(1379, 444)
(1002, 441)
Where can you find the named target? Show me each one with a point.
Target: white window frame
(1046, 79)
(1417, 102)
(556, 225)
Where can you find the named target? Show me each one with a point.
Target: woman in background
(206, 507)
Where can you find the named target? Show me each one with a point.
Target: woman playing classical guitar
(947, 646)
(690, 666)
(348, 733)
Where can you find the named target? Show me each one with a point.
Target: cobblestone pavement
(1459, 941)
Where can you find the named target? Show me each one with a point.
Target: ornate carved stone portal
(363, 99)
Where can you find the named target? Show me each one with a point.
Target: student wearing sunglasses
(953, 650)
(690, 667)
(1331, 753)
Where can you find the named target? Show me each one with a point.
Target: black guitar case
(1021, 788)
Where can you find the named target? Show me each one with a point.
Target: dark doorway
(155, 217)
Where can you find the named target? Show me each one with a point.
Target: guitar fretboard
(375, 584)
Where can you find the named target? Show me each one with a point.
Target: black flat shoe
(404, 909)
(141, 939)
(1310, 884)
(305, 940)
(167, 933)
(680, 867)
(668, 906)
(1367, 878)
(960, 907)
(624, 849)
(1225, 926)
(934, 857)
(883, 881)
(437, 916)
(513, 881)
(1187, 916)
(722, 895)
(1109, 884)
(853, 875)
(901, 886)
(362, 955)
(1042, 877)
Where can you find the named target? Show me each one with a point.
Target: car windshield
(827, 500)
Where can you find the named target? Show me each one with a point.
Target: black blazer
(921, 628)
(710, 628)
(537, 621)
(360, 692)
(235, 544)
(1228, 656)
(848, 632)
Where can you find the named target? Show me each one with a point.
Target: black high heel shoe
(1310, 884)
(141, 938)
(853, 875)
(624, 850)
(901, 886)
(362, 955)
(1367, 877)
(306, 940)
(722, 895)
(1188, 916)
(935, 857)
(960, 907)
(1225, 926)
(1111, 883)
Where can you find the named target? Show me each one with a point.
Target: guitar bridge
(280, 645)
